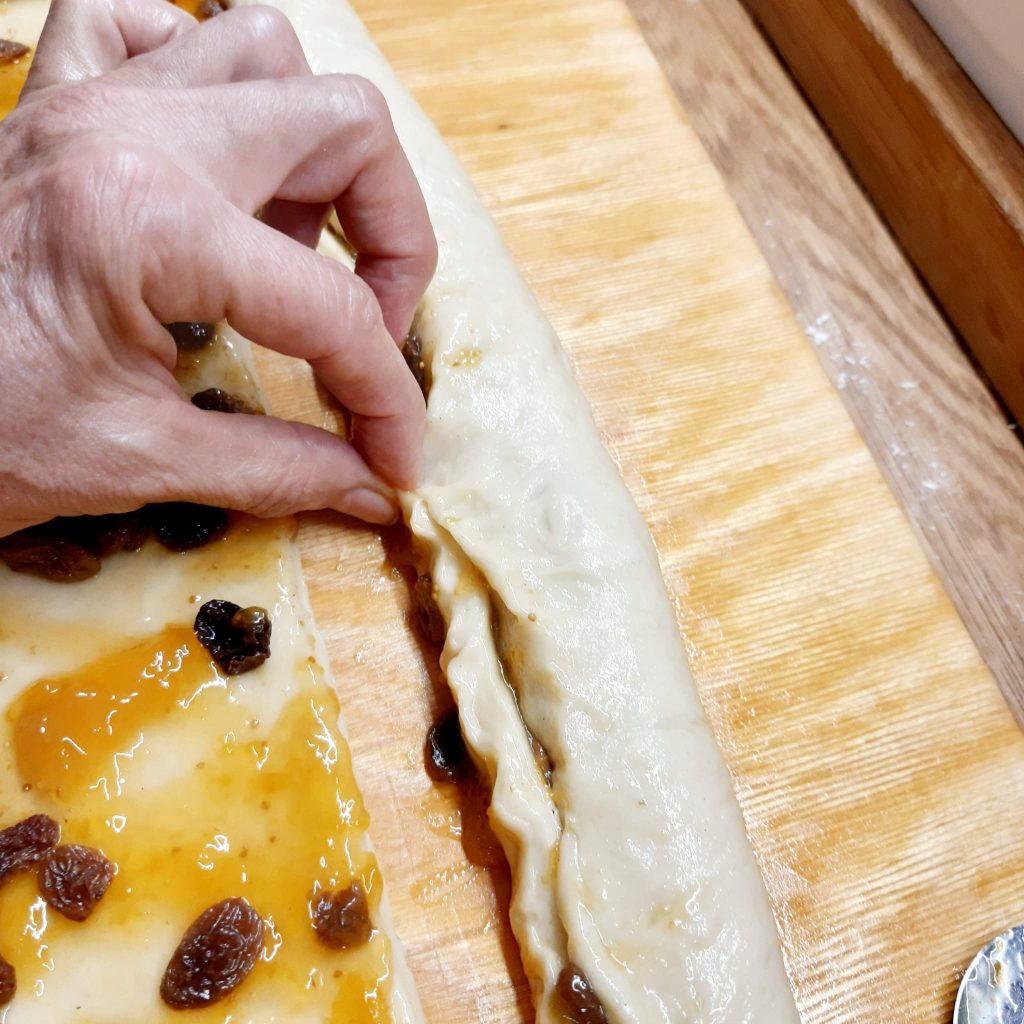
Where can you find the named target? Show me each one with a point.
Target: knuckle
(265, 26)
(363, 303)
(272, 504)
(294, 481)
(363, 312)
(268, 38)
(360, 314)
(367, 104)
(74, 107)
(47, 124)
(96, 176)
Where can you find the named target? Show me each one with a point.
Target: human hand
(129, 175)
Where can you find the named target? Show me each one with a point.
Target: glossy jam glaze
(197, 786)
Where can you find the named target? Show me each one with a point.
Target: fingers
(332, 142)
(265, 466)
(300, 221)
(284, 296)
(248, 43)
(87, 38)
(284, 137)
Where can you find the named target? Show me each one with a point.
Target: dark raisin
(428, 615)
(581, 1005)
(125, 532)
(238, 639)
(10, 51)
(210, 9)
(341, 918)
(73, 879)
(23, 844)
(446, 750)
(43, 551)
(8, 982)
(182, 525)
(216, 955)
(413, 352)
(191, 336)
(215, 400)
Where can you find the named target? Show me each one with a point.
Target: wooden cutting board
(878, 768)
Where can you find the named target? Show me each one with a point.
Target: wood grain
(939, 438)
(877, 765)
(942, 167)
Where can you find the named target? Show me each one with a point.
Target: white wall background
(987, 38)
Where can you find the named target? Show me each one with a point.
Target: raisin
(8, 982)
(413, 352)
(190, 336)
(428, 615)
(42, 551)
(446, 750)
(215, 400)
(341, 918)
(210, 9)
(125, 532)
(580, 1001)
(23, 844)
(238, 639)
(182, 525)
(10, 51)
(73, 879)
(216, 955)
(69, 548)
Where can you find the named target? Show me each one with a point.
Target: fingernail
(371, 506)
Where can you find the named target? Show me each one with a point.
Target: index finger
(86, 38)
(327, 139)
(202, 258)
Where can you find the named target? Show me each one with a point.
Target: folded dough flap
(654, 883)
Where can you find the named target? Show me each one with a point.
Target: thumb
(267, 466)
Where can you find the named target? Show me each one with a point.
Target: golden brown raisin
(10, 51)
(341, 917)
(8, 982)
(580, 1002)
(215, 400)
(216, 955)
(73, 879)
(428, 615)
(42, 551)
(23, 844)
(238, 639)
(446, 750)
(189, 336)
(182, 525)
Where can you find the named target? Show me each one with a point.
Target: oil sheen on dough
(634, 865)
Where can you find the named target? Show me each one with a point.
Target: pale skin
(129, 175)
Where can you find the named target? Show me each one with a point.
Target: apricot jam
(158, 759)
